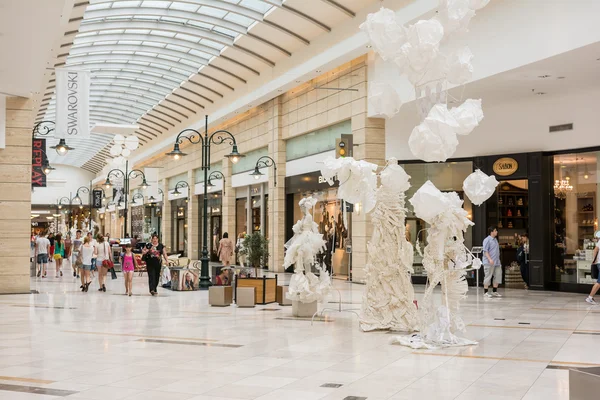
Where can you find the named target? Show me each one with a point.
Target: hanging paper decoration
(434, 139)
(459, 69)
(385, 34)
(132, 142)
(478, 4)
(479, 187)
(384, 99)
(119, 139)
(468, 115)
(115, 150)
(455, 15)
(357, 180)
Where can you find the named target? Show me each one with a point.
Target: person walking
(74, 255)
(87, 254)
(240, 250)
(129, 262)
(59, 254)
(68, 243)
(492, 267)
(225, 251)
(154, 253)
(42, 249)
(94, 244)
(523, 259)
(51, 252)
(102, 254)
(595, 274)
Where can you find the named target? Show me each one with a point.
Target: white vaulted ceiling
(156, 63)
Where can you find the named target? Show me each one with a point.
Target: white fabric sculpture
(385, 34)
(479, 187)
(302, 250)
(455, 15)
(388, 300)
(446, 260)
(383, 99)
(357, 180)
(421, 49)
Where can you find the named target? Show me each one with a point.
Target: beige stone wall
(310, 106)
(15, 197)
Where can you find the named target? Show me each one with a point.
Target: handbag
(595, 271)
(113, 273)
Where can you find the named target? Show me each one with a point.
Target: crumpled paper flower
(459, 69)
(468, 115)
(383, 99)
(479, 187)
(395, 177)
(442, 209)
(455, 15)
(384, 32)
(421, 48)
(357, 180)
(434, 139)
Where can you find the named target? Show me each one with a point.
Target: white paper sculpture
(388, 300)
(459, 69)
(468, 115)
(478, 4)
(302, 250)
(384, 99)
(357, 180)
(435, 138)
(446, 260)
(455, 15)
(385, 34)
(479, 187)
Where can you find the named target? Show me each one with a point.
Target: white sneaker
(487, 295)
(590, 300)
(496, 294)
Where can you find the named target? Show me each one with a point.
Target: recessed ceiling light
(560, 77)
(369, 46)
(280, 90)
(540, 93)
(298, 81)
(318, 71)
(544, 76)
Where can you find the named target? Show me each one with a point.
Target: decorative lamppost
(44, 128)
(137, 196)
(126, 176)
(215, 175)
(217, 138)
(63, 201)
(152, 200)
(180, 185)
(265, 161)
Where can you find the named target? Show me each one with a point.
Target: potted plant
(256, 248)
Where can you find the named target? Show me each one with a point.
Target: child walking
(129, 263)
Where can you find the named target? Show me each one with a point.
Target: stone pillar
(276, 193)
(167, 218)
(249, 224)
(228, 202)
(15, 197)
(192, 220)
(369, 135)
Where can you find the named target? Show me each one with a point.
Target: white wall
(63, 181)
(517, 126)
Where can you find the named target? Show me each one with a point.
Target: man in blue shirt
(491, 263)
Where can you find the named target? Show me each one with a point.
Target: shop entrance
(513, 217)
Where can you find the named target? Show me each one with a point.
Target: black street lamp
(217, 138)
(137, 196)
(152, 200)
(181, 185)
(63, 201)
(265, 161)
(44, 128)
(215, 175)
(126, 176)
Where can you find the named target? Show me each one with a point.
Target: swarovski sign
(72, 103)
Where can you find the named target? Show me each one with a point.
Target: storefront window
(179, 236)
(240, 216)
(447, 177)
(576, 200)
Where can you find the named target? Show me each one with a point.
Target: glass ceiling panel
(123, 4)
(239, 19)
(212, 11)
(159, 4)
(184, 6)
(256, 5)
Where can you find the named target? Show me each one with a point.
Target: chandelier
(562, 188)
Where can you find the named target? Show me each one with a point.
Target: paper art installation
(388, 300)
(302, 250)
(426, 55)
(446, 260)
(384, 99)
(479, 187)
(357, 180)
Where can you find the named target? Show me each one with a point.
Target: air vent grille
(560, 128)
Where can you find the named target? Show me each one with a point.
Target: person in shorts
(596, 274)
(491, 263)
(42, 249)
(87, 253)
(75, 249)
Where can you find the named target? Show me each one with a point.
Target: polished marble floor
(61, 343)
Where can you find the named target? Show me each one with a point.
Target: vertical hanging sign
(72, 103)
(97, 198)
(38, 178)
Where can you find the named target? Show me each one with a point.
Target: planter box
(265, 289)
(303, 310)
